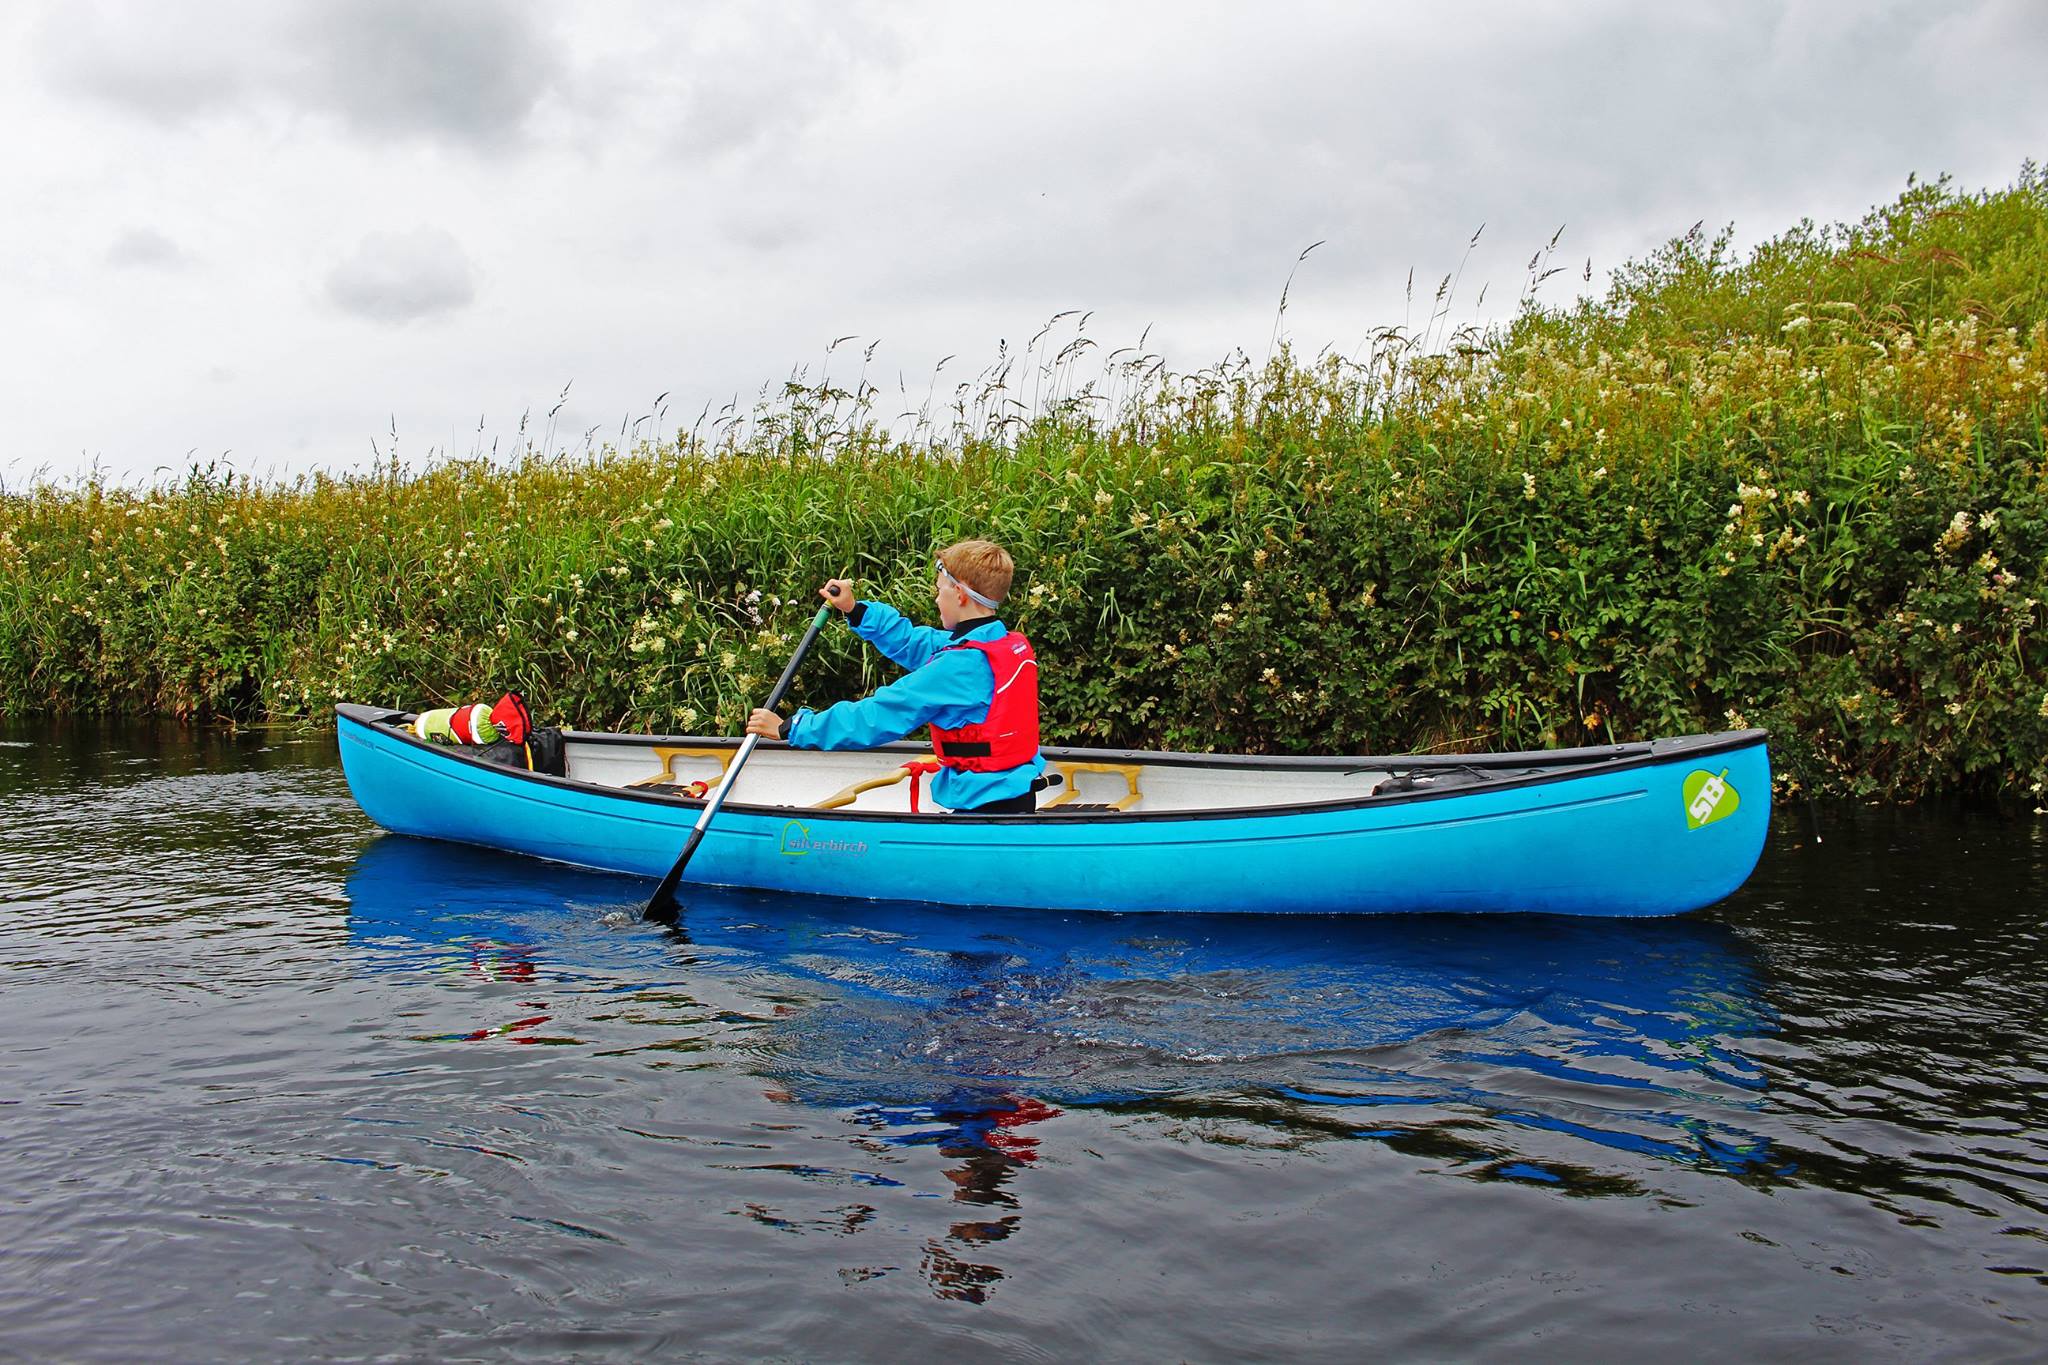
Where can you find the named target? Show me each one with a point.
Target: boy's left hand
(764, 723)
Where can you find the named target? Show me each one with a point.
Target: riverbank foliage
(1802, 489)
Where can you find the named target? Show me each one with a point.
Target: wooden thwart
(847, 795)
(669, 753)
(1070, 789)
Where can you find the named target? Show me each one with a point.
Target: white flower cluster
(642, 629)
(1957, 534)
(1786, 543)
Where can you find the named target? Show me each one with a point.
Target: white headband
(940, 564)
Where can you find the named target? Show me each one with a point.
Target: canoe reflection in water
(1580, 1054)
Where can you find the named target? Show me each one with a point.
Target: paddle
(662, 905)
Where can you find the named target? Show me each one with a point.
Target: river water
(274, 1085)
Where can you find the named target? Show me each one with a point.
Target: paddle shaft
(662, 905)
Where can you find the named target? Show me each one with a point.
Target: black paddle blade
(663, 905)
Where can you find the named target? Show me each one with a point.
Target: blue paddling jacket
(950, 688)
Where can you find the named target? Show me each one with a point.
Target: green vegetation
(1803, 490)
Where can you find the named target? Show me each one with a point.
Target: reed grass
(1802, 488)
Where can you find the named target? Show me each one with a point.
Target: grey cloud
(770, 72)
(469, 71)
(148, 248)
(395, 278)
(158, 62)
(465, 72)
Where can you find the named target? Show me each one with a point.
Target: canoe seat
(1072, 789)
(1082, 808)
(669, 753)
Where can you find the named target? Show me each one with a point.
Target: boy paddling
(972, 679)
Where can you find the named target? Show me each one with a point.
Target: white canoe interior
(1098, 782)
(875, 780)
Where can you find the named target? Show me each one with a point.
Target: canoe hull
(1605, 841)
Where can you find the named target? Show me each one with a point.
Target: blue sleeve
(888, 630)
(954, 691)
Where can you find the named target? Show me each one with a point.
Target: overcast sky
(274, 227)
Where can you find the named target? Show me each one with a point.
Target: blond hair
(982, 565)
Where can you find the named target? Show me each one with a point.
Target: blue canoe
(1655, 828)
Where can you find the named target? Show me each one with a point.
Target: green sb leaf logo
(1708, 798)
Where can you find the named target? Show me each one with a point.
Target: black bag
(542, 753)
(503, 752)
(545, 752)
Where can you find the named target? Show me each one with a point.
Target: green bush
(1802, 490)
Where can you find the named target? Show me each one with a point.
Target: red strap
(917, 772)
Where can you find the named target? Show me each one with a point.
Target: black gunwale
(1559, 765)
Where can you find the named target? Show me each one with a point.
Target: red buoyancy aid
(1008, 738)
